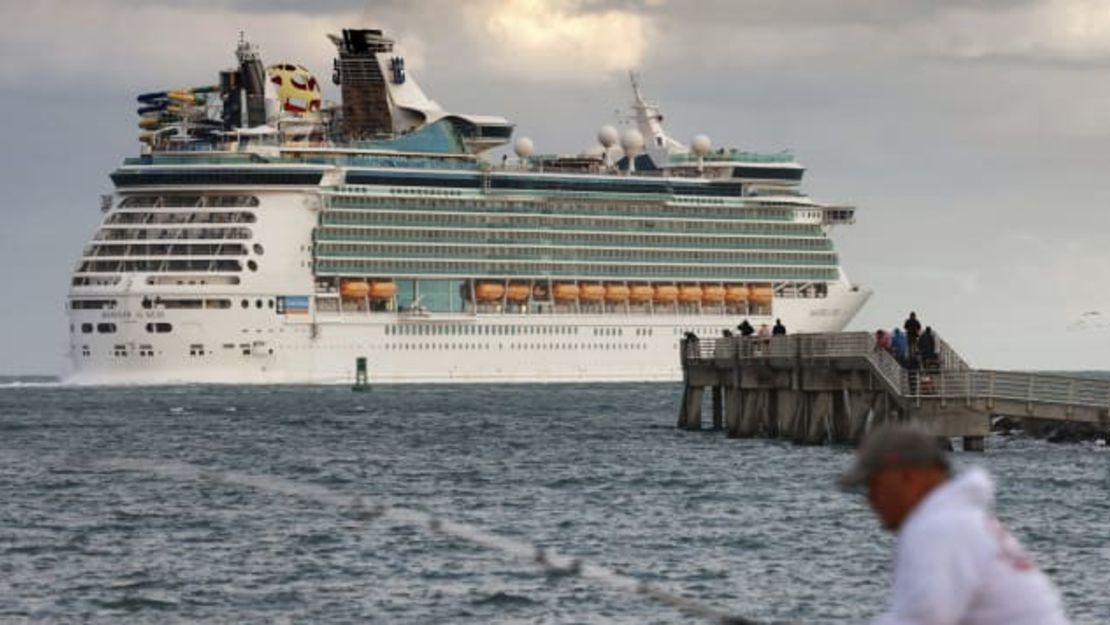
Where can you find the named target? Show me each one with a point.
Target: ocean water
(751, 527)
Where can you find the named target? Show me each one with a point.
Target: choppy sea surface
(752, 527)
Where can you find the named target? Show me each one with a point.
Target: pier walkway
(831, 388)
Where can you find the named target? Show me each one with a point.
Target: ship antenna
(634, 78)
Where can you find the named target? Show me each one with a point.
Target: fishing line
(551, 561)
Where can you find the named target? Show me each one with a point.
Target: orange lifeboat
(489, 291)
(382, 289)
(762, 294)
(735, 293)
(665, 293)
(616, 293)
(713, 293)
(565, 291)
(591, 292)
(641, 293)
(354, 289)
(689, 293)
(518, 292)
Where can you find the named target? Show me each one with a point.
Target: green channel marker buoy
(362, 381)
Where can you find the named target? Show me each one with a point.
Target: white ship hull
(256, 346)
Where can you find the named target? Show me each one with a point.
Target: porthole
(246, 304)
(253, 266)
(257, 247)
(258, 303)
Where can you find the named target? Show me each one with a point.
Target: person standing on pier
(693, 346)
(913, 331)
(954, 563)
(898, 346)
(779, 329)
(882, 340)
(927, 347)
(745, 328)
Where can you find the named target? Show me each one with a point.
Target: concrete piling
(718, 409)
(689, 416)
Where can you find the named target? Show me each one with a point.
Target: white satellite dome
(632, 141)
(523, 147)
(701, 145)
(607, 136)
(595, 151)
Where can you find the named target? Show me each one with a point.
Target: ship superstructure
(267, 236)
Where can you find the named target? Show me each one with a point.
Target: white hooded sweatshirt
(955, 564)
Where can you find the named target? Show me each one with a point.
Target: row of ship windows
(246, 349)
(110, 328)
(166, 249)
(516, 346)
(625, 209)
(192, 217)
(544, 222)
(500, 330)
(195, 349)
(565, 237)
(163, 234)
(570, 254)
(176, 280)
(161, 266)
(425, 191)
(610, 272)
(100, 328)
(169, 303)
(95, 281)
(187, 200)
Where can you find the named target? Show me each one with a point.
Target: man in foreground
(955, 564)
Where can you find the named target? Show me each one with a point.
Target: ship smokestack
(252, 79)
(231, 98)
(366, 109)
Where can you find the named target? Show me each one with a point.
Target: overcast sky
(973, 135)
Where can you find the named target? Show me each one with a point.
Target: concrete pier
(818, 389)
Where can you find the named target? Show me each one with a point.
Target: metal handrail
(988, 384)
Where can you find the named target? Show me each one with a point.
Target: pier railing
(953, 380)
(1016, 386)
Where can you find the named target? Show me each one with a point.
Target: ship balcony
(839, 215)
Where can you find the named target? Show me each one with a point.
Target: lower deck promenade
(832, 388)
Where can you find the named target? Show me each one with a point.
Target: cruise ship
(264, 235)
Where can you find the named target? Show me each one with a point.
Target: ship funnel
(252, 80)
(366, 109)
